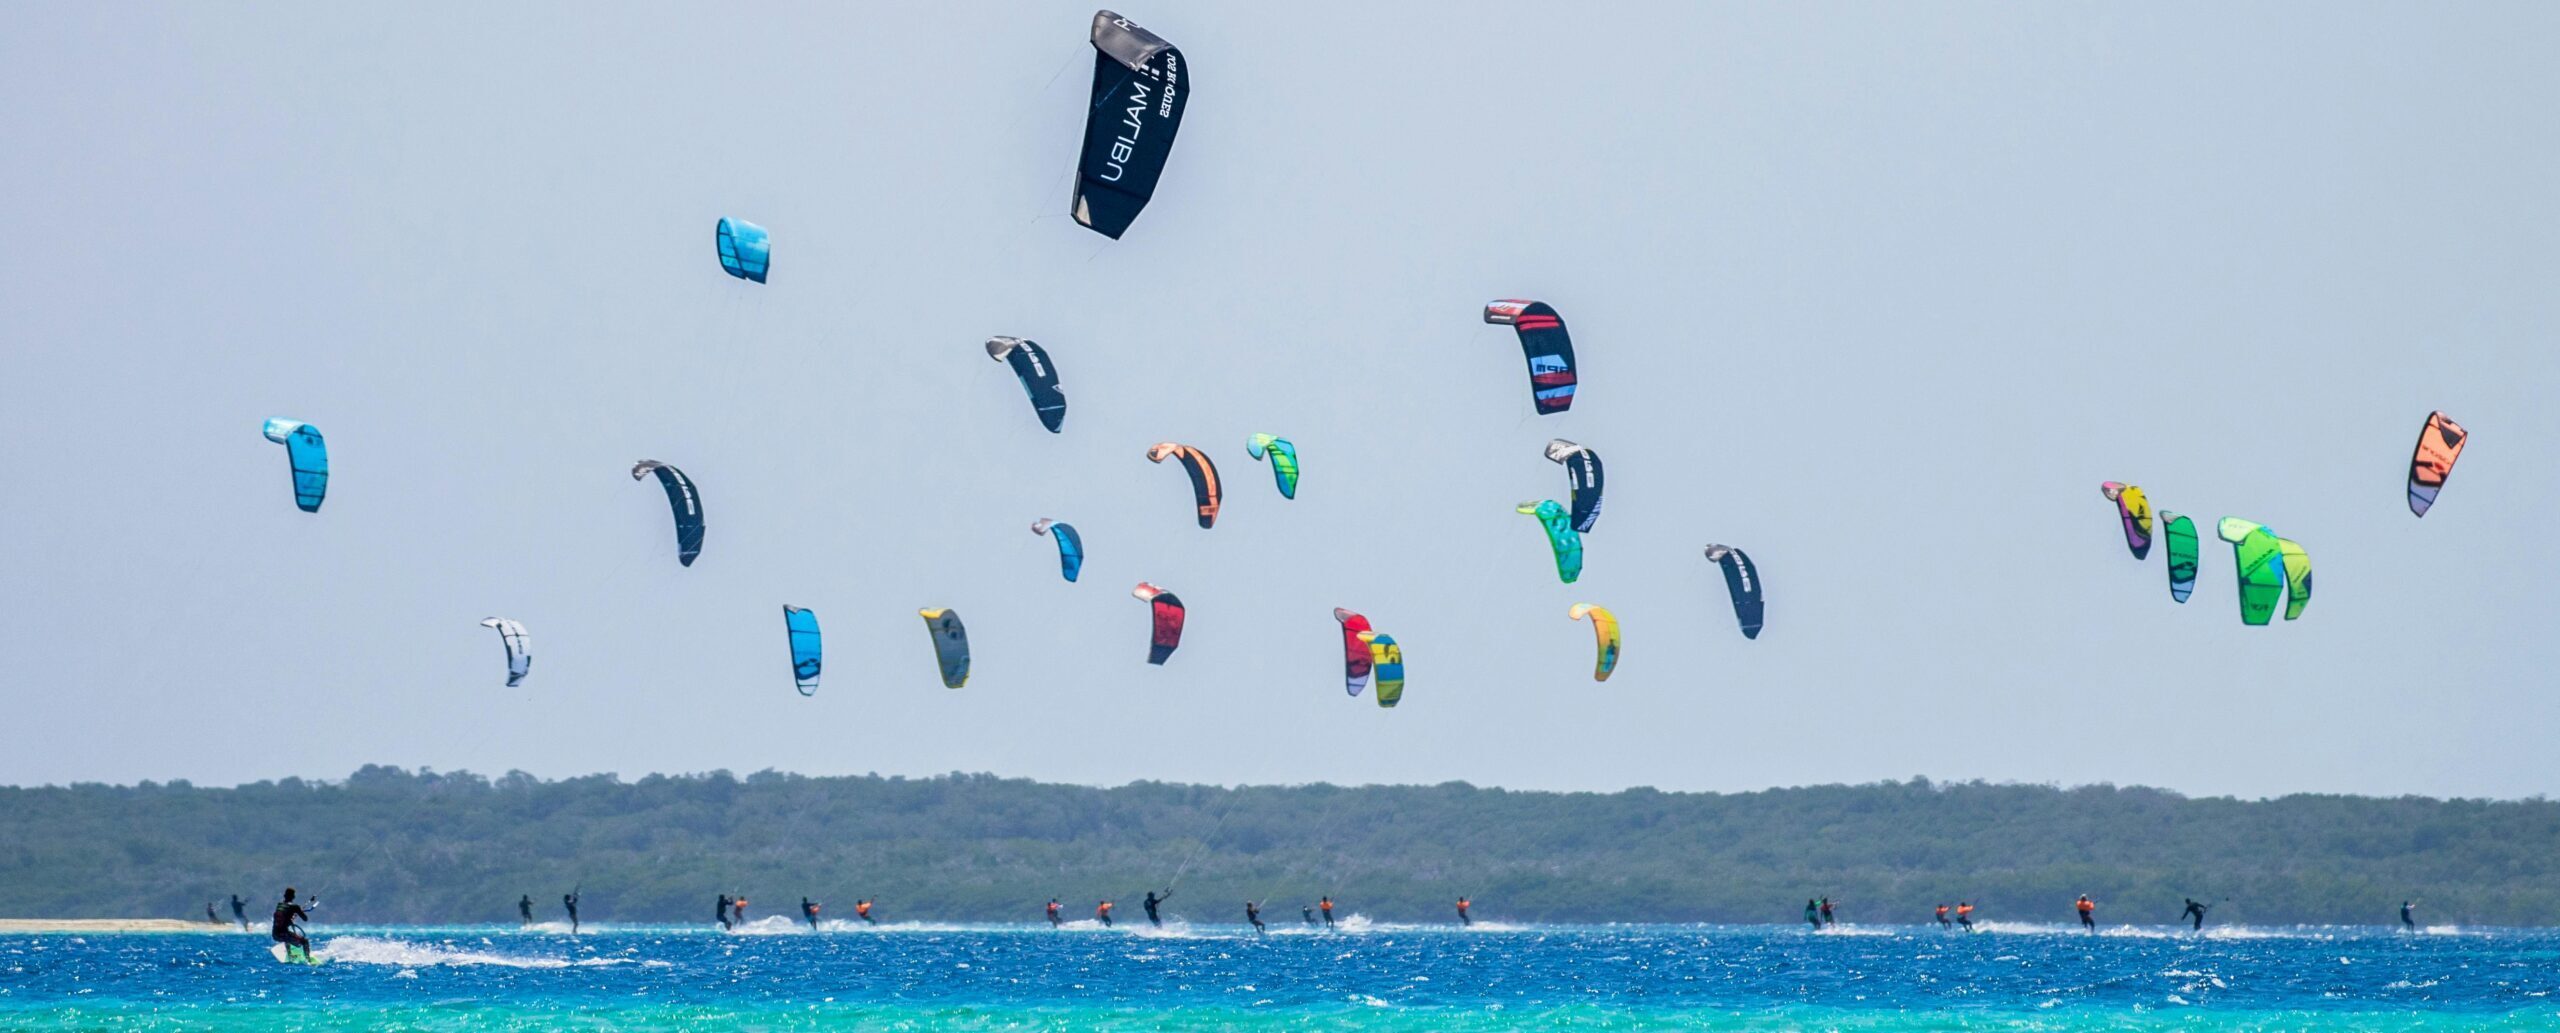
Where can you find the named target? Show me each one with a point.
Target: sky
(1878, 292)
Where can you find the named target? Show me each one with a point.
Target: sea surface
(775, 975)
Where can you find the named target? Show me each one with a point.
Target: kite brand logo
(1126, 146)
(1546, 364)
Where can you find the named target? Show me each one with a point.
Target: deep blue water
(1223, 977)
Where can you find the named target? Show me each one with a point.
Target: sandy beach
(42, 926)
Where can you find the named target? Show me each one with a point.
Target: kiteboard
(289, 956)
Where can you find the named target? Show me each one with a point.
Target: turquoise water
(775, 976)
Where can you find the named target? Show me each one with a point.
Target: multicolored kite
(2260, 568)
(2134, 508)
(1546, 345)
(2439, 444)
(1561, 537)
(1604, 628)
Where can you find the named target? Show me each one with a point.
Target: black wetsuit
(570, 901)
(1054, 921)
(724, 911)
(1307, 913)
(1826, 913)
(1463, 917)
(288, 914)
(2405, 921)
(2195, 911)
(524, 908)
(1942, 918)
(809, 911)
(240, 911)
(1150, 904)
(209, 917)
(1326, 906)
(2088, 918)
(1254, 915)
(1813, 915)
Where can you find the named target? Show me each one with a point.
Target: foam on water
(368, 950)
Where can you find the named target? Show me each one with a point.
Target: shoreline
(41, 926)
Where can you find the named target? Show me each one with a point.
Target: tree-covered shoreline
(388, 845)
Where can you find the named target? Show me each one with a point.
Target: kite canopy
(1166, 632)
(1561, 537)
(744, 250)
(2297, 577)
(1604, 628)
(1548, 348)
(2181, 534)
(950, 645)
(1070, 545)
(1204, 477)
(1742, 580)
(309, 455)
(2260, 566)
(519, 648)
(807, 653)
(1582, 472)
(2439, 444)
(1039, 377)
(1387, 659)
(1140, 84)
(683, 501)
(1284, 461)
(2134, 508)
(1355, 650)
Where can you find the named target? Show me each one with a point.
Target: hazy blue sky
(1879, 292)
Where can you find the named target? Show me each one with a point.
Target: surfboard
(291, 957)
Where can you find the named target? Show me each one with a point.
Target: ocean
(776, 975)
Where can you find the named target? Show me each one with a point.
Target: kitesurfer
(524, 909)
(2195, 911)
(1253, 914)
(289, 915)
(1102, 913)
(570, 900)
(209, 917)
(1942, 917)
(809, 910)
(240, 912)
(1325, 904)
(1054, 922)
(1463, 919)
(724, 913)
(1813, 914)
(1964, 914)
(2405, 921)
(738, 910)
(1307, 914)
(1150, 904)
(1826, 913)
(2088, 913)
(862, 910)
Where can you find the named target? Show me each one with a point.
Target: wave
(367, 950)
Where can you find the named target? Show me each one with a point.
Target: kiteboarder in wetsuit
(862, 910)
(1053, 914)
(1325, 904)
(570, 900)
(1102, 912)
(524, 909)
(1253, 914)
(2195, 911)
(1964, 914)
(1463, 918)
(1942, 917)
(240, 912)
(724, 913)
(288, 915)
(2088, 913)
(1307, 914)
(1813, 914)
(1826, 913)
(1150, 904)
(209, 917)
(809, 910)
(2405, 921)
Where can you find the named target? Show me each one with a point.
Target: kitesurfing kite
(2297, 577)
(1355, 651)
(1582, 472)
(744, 250)
(1561, 536)
(309, 455)
(1140, 83)
(1549, 350)
(2181, 534)
(1070, 545)
(1387, 659)
(2439, 444)
(1204, 477)
(950, 645)
(1604, 628)
(1284, 461)
(807, 654)
(2260, 566)
(1166, 632)
(2134, 508)
(519, 648)
(1742, 580)
(1039, 376)
(683, 501)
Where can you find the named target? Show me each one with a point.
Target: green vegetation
(387, 845)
